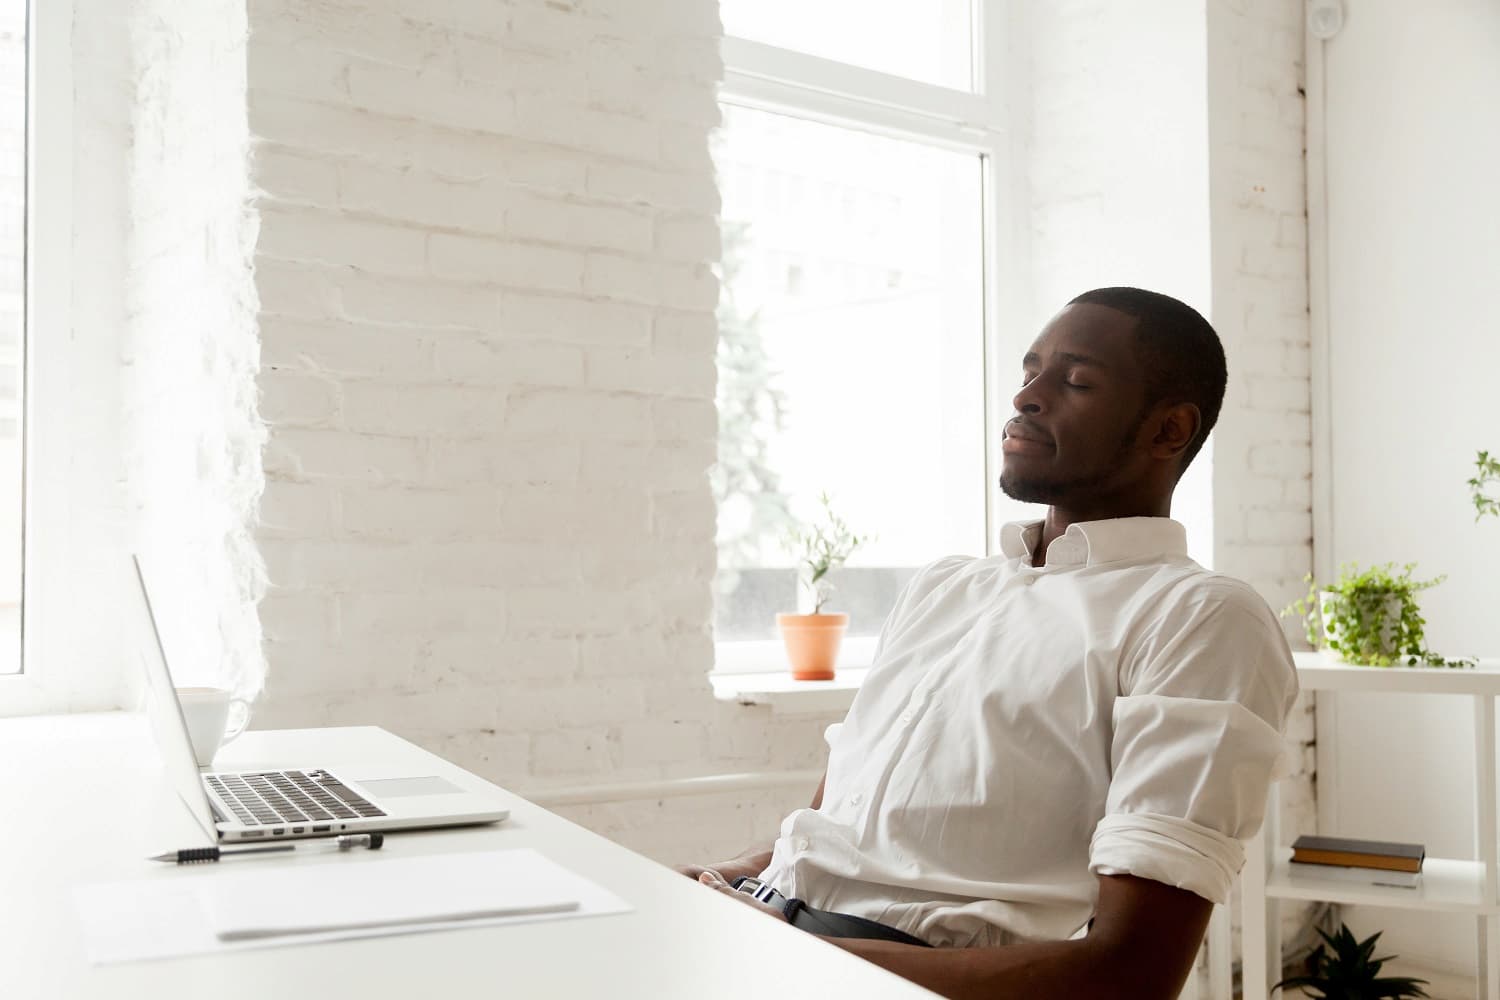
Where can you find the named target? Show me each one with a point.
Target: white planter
(1390, 632)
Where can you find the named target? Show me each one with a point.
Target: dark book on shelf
(1350, 853)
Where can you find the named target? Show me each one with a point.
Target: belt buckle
(757, 889)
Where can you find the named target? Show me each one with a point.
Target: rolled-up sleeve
(1198, 723)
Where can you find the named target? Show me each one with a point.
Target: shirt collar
(1091, 543)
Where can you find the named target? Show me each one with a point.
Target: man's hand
(714, 880)
(749, 864)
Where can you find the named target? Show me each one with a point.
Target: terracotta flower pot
(812, 643)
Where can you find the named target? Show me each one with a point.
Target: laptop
(297, 802)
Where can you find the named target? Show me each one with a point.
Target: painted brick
(454, 660)
(289, 177)
(513, 265)
(575, 321)
(1278, 526)
(396, 514)
(451, 610)
(568, 414)
(339, 348)
(296, 400)
(579, 224)
(370, 299)
(318, 238)
(431, 96)
(1279, 393)
(688, 421)
(648, 743)
(639, 370)
(332, 455)
(572, 752)
(296, 510)
(691, 239)
(464, 357)
(378, 408)
(494, 458)
(474, 204)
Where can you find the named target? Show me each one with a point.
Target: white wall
(1413, 150)
(1118, 171)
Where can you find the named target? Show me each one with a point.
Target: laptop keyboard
(267, 798)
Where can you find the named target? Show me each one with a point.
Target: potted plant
(1350, 973)
(812, 640)
(1370, 617)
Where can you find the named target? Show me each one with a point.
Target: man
(1046, 780)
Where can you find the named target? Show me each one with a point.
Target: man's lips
(1020, 438)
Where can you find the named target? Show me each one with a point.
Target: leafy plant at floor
(1371, 617)
(1486, 474)
(823, 547)
(1350, 972)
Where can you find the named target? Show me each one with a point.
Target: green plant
(1486, 473)
(822, 548)
(1371, 617)
(1350, 973)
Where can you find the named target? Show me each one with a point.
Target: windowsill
(786, 696)
(755, 672)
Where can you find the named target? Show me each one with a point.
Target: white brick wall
(488, 371)
(1262, 451)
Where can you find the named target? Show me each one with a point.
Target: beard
(1061, 489)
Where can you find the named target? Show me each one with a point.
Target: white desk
(681, 940)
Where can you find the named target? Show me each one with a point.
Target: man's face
(1073, 440)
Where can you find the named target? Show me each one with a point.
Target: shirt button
(906, 718)
(800, 843)
(856, 799)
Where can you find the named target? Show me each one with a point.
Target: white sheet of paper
(182, 914)
(386, 891)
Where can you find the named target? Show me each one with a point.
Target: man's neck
(1058, 520)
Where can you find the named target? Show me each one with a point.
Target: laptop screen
(162, 708)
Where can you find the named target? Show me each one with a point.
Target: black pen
(189, 855)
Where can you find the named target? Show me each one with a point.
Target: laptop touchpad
(392, 788)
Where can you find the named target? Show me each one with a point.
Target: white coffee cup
(207, 711)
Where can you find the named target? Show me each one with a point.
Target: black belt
(824, 922)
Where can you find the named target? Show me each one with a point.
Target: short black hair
(1179, 350)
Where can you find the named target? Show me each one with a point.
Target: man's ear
(1176, 428)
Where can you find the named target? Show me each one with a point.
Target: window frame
(783, 81)
(46, 681)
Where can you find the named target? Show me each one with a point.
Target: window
(926, 40)
(858, 172)
(13, 158)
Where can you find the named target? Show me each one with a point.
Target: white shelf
(786, 696)
(1317, 672)
(1446, 886)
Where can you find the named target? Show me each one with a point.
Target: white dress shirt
(1117, 711)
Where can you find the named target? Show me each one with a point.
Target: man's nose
(1030, 398)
